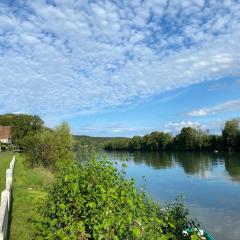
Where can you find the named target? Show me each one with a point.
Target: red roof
(5, 132)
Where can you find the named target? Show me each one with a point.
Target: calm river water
(210, 182)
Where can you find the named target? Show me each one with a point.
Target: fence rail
(6, 201)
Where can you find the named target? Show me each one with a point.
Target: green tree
(216, 142)
(49, 147)
(231, 133)
(164, 140)
(147, 144)
(64, 142)
(157, 141)
(136, 143)
(187, 139)
(203, 140)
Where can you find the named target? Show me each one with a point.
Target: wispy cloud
(67, 57)
(112, 130)
(228, 106)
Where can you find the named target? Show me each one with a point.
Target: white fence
(6, 202)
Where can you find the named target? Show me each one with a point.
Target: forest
(192, 139)
(84, 141)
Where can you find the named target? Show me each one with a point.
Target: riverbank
(28, 188)
(5, 158)
(83, 185)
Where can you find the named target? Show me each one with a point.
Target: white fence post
(6, 202)
(12, 164)
(4, 211)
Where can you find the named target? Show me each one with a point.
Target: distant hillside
(88, 141)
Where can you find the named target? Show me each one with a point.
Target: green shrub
(93, 200)
(48, 147)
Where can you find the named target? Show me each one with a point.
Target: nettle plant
(93, 200)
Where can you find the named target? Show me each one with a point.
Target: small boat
(203, 235)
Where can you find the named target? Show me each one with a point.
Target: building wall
(5, 134)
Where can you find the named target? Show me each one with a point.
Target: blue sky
(121, 68)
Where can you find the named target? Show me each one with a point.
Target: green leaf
(107, 223)
(62, 206)
(74, 187)
(91, 204)
(137, 232)
(54, 222)
(124, 165)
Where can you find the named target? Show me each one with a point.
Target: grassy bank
(28, 187)
(5, 159)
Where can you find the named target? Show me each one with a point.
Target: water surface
(210, 182)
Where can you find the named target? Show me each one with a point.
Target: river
(209, 181)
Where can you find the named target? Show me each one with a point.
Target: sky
(121, 68)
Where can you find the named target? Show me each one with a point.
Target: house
(5, 134)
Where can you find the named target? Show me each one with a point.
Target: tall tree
(136, 143)
(231, 133)
(49, 147)
(187, 139)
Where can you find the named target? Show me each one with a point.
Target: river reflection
(209, 181)
(193, 163)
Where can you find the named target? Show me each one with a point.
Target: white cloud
(214, 126)
(228, 106)
(177, 126)
(198, 113)
(72, 57)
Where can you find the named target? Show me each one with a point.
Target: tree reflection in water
(193, 163)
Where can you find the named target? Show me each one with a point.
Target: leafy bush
(48, 147)
(93, 200)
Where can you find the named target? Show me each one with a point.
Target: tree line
(83, 141)
(192, 139)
